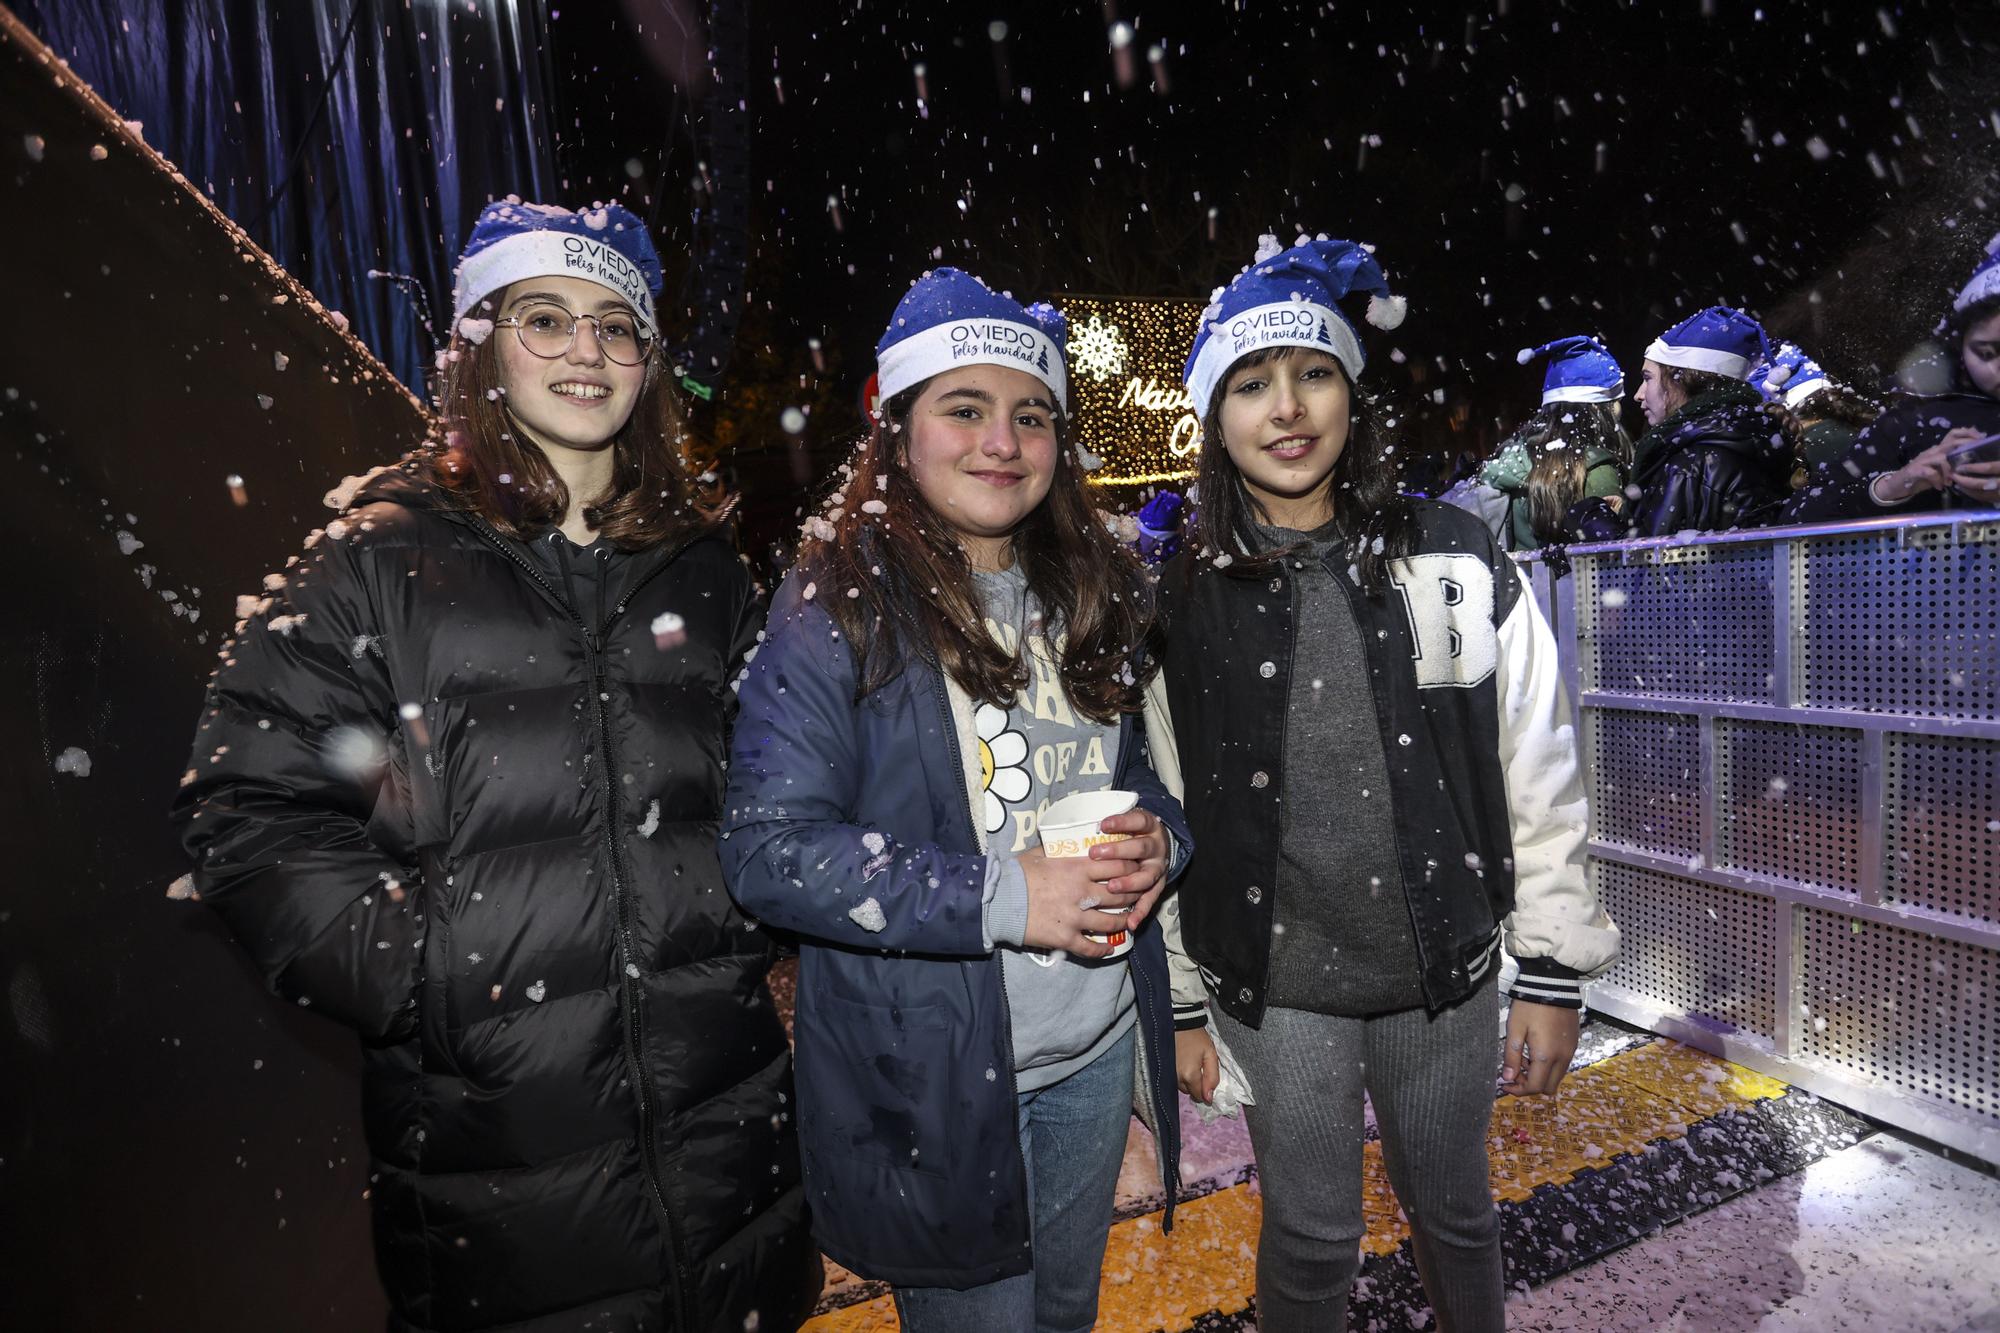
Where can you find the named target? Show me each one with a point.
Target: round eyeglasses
(548, 331)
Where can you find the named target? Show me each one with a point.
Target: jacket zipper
(1006, 1006)
(1145, 999)
(628, 969)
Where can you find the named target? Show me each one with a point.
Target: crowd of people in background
(1741, 431)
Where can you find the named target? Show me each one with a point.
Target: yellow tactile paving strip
(1616, 1106)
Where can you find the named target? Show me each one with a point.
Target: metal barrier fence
(1792, 739)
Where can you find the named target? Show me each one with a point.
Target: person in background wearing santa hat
(1828, 415)
(1927, 452)
(456, 787)
(1571, 449)
(1712, 457)
(1336, 652)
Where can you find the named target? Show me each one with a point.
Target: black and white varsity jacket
(1491, 818)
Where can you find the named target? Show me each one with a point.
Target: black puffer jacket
(1719, 462)
(477, 826)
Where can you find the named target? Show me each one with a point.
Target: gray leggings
(1430, 1078)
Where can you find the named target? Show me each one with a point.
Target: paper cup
(1069, 828)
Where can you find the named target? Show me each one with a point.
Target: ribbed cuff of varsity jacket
(1545, 981)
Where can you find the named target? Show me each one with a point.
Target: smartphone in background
(1983, 450)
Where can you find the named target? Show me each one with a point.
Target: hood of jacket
(1508, 470)
(1730, 418)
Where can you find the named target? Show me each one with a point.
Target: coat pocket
(879, 1082)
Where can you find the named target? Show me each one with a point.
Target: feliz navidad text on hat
(1288, 324)
(600, 263)
(987, 340)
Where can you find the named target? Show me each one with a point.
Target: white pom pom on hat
(1524, 356)
(1387, 313)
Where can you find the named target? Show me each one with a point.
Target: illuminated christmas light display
(1126, 397)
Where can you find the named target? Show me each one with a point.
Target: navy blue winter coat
(851, 825)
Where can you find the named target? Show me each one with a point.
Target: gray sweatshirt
(1065, 1011)
(1342, 941)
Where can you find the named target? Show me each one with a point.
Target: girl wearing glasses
(456, 787)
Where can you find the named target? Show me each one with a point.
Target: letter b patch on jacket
(1449, 602)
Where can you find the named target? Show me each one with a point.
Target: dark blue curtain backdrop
(343, 135)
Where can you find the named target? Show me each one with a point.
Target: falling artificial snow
(669, 631)
(74, 761)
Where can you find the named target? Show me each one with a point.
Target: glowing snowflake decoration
(1099, 350)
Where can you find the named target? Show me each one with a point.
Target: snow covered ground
(1884, 1236)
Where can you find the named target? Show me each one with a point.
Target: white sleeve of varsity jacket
(1558, 932)
(1190, 996)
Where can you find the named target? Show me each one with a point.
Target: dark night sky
(1528, 168)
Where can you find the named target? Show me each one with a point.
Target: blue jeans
(1072, 1142)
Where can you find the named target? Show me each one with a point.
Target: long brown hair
(893, 574)
(1561, 437)
(1556, 481)
(488, 467)
(1377, 522)
(1840, 403)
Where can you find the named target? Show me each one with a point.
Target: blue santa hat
(1985, 280)
(949, 318)
(1580, 371)
(1721, 339)
(1790, 376)
(1291, 298)
(605, 244)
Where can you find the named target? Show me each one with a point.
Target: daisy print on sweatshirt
(1003, 755)
(1037, 749)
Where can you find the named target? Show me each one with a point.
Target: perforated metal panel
(1644, 779)
(1704, 949)
(1690, 623)
(1942, 825)
(1788, 802)
(1793, 744)
(1909, 626)
(1903, 1008)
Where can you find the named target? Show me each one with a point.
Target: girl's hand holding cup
(1144, 845)
(1117, 857)
(1071, 905)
